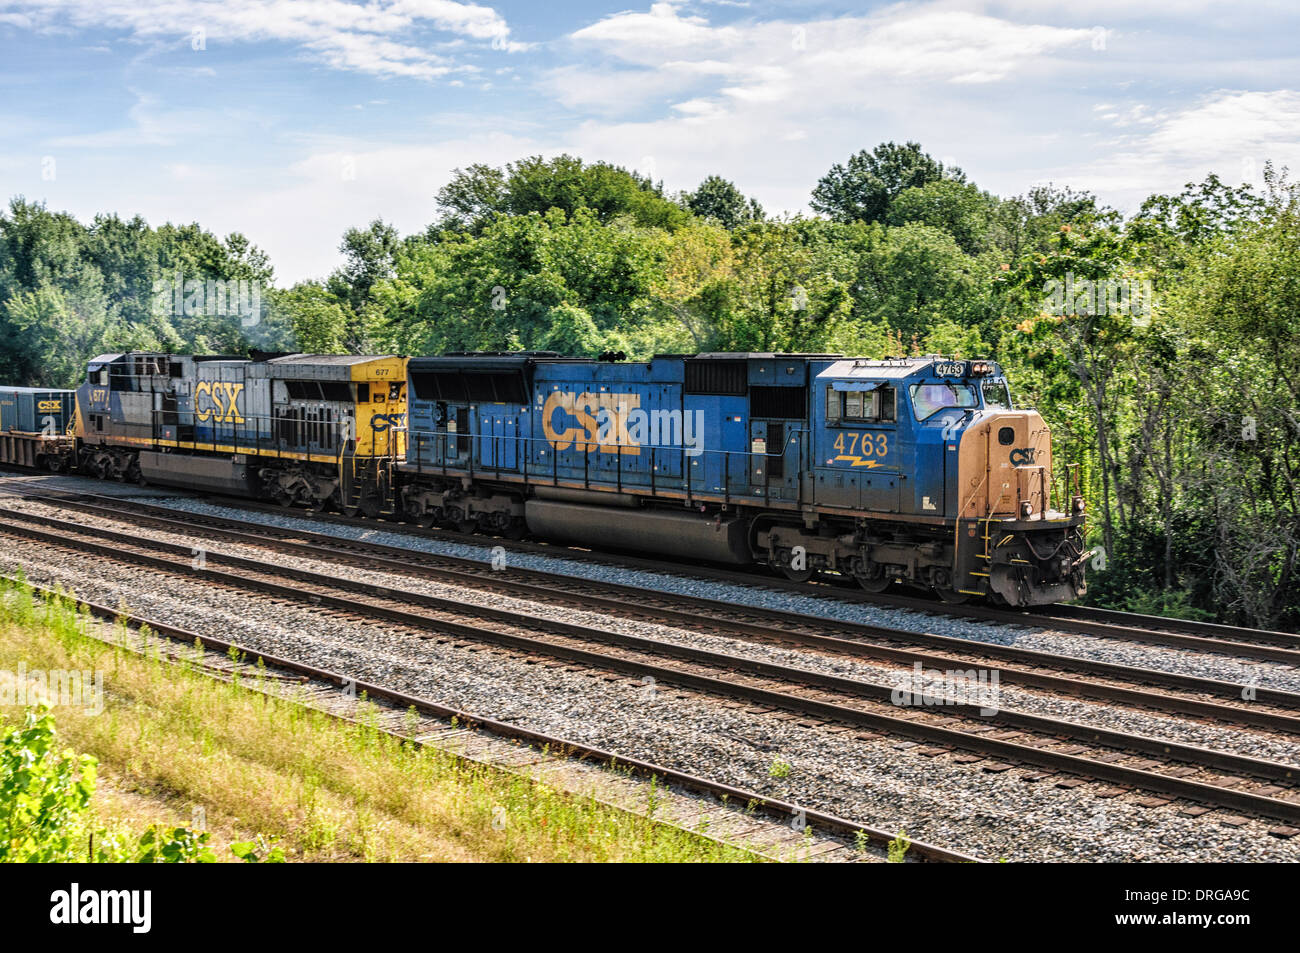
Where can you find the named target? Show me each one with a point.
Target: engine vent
(782, 403)
(723, 378)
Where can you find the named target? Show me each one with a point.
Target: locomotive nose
(1005, 466)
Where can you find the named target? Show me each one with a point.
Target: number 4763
(862, 444)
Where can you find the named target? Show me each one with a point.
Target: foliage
(720, 200)
(910, 257)
(477, 195)
(864, 189)
(259, 851)
(898, 848)
(44, 794)
(46, 814)
(70, 291)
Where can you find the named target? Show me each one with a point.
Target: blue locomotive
(914, 470)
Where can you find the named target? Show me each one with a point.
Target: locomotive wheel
(796, 575)
(879, 584)
(952, 596)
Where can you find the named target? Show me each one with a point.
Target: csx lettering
(381, 422)
(222, 404)
(49, 406)
(1022, 456)
(589, 411)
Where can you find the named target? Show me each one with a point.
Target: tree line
(1162, 347)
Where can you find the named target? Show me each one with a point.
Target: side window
(887, 399)
(832, 404)
(878, 405)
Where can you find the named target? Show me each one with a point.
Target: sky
(293, 120)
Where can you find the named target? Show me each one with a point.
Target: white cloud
(364, 37)
(1228, 132)
(776, 61)
(772, 104)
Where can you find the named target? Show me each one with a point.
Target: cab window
(996, 395)
(929, 399)
(876, 404)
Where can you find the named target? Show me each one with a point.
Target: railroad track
(1133, 762)
(1238, 641)
(1211, 700)
(1088, 620)
(730, 809)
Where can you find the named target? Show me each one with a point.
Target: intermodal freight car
(33, 426)
(916, 469)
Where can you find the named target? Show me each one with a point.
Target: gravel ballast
(880, 781)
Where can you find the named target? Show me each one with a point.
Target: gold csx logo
(49, 406)
(217, 401)
(591, 422)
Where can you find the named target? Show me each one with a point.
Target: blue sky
(290, 120)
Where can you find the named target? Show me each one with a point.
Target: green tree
(504, 287)
(475, 196)
(864, 188)
(369, 256)
(958, 208)
(1238, 301)
(720, 200)
(311, 319)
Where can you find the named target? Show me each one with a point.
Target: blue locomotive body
(886, 470)
(639, 428)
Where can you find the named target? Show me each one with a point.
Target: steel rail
(785, 627)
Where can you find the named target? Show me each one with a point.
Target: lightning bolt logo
(858, 461)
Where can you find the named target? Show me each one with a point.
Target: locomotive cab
(956, 483)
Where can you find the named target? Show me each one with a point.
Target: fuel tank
(660, 531)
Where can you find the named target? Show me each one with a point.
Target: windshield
(929, 399)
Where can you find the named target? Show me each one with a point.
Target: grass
(171, 742)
